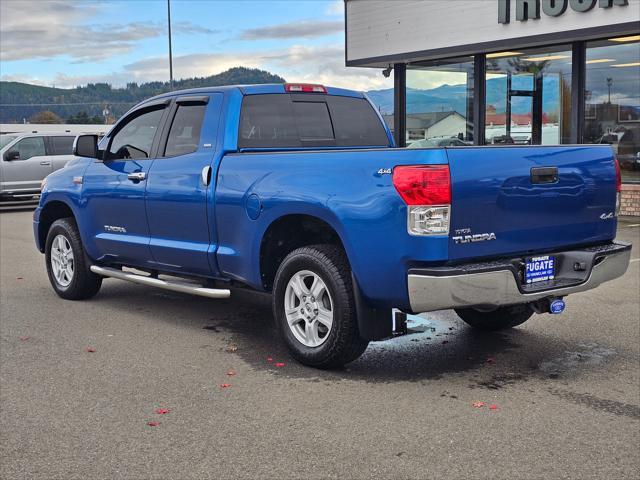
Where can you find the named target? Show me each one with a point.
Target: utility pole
(170, 52)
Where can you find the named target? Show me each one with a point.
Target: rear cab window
(61, 145)
(309, 120)
(184, 135)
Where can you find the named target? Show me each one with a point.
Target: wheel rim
(62, 263)
(308, 308)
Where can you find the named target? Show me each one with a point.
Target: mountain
(453, 97)
(21, 100)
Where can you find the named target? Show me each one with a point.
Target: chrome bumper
(499, 287)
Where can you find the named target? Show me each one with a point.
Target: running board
(156, 282)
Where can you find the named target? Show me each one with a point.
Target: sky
(67, 43)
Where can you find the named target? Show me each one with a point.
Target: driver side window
(29, 147)
(135, 138)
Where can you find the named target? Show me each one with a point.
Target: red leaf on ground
(225, 385)
(493, 407)
(491, 360)
(162, 411)
(479, 404)
(89, 350)
(153, 424)
(231, 373)
(23, 339)
(269, 359)
(279, 364)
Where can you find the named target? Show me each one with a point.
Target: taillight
(426, 189)
(618, 175)
(304, 88)
(618, 185)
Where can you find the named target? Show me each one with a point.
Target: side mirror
(12, 155)
(86, 146)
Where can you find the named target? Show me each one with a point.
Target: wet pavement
(566, 388)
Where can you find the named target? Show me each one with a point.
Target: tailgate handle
(544, 175)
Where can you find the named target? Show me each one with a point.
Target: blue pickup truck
(298, 190)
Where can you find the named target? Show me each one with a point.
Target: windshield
(6, 140)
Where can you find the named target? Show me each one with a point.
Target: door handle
(137, 176)
(206, 175)
(45, 162)
(544, 175)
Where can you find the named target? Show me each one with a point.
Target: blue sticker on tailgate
(540, 269)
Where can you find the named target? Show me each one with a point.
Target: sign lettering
(530, 9)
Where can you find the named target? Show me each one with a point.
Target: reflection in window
(528, 97)
(612, 101)
(184, 135)
(134, 139)
(440, 103)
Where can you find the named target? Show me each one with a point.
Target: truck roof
(259, 89)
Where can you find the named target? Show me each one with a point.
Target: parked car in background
(26, 159)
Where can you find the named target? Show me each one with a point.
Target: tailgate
(505, 200)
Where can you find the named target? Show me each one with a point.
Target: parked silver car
(26, 158)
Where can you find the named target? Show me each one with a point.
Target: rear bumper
(493, 284)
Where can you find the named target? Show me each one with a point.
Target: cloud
(297, 29)
(336, 7)
(188, 28)
(46, 29)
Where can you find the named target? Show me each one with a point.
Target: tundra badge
(111, 228)
(478, 237)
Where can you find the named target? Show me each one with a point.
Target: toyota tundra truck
(298, 190)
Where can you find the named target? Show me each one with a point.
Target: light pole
(609, 83)
(170, 53)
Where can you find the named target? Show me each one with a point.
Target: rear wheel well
(286, 235)
(51, 212)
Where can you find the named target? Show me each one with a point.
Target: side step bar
(175, 286)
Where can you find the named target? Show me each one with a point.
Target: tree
(45, 117)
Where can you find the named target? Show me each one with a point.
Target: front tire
(499, 319)
(67, 264)
(314, 307)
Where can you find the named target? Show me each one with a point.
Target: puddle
(586, 355)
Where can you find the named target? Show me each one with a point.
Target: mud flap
(373, 323)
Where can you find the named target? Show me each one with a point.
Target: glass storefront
(528, 99)
(439, 103)
(612, 100)
(528, 96)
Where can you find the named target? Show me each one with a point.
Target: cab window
(61, 145)
(184, 135)
(135, 138)
(29, 147)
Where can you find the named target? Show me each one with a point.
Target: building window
(440, 103)
(528, 96)
(612, 100)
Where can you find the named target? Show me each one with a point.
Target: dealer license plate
(540, 269)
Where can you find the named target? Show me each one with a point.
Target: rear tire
(67, 264)
(498, 319)
(314, 307)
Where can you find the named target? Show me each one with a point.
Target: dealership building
(482, 72)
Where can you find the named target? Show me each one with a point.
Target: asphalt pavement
(80, 383)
